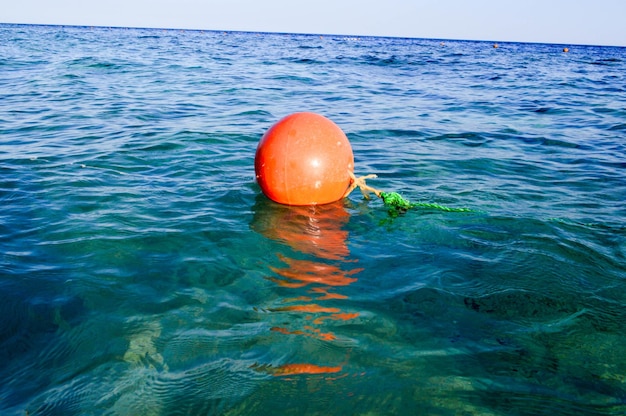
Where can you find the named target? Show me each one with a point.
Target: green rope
(393, 200)
(397, 204)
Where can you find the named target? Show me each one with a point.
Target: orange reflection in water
(318, 233)
(295, 369)
(315, 230)
(291, 369)
(299, 273)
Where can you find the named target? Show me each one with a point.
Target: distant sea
(143, 272)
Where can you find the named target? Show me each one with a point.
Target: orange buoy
(304, 159)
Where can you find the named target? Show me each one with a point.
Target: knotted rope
(393, 200)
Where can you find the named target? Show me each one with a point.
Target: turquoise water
(142, 272)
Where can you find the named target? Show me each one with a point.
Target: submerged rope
(393, 200)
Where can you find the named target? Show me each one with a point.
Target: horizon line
(304, 34)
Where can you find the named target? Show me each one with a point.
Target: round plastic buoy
(304, 159)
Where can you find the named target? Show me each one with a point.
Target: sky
(570, 22)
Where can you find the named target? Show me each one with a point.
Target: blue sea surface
(143, 272)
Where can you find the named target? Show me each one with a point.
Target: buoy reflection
(295, 369)
(314, 267)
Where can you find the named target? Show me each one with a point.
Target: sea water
(143, 272)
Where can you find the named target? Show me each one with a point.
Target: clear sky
(591, 22)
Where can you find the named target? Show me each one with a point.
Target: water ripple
(142, 270)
